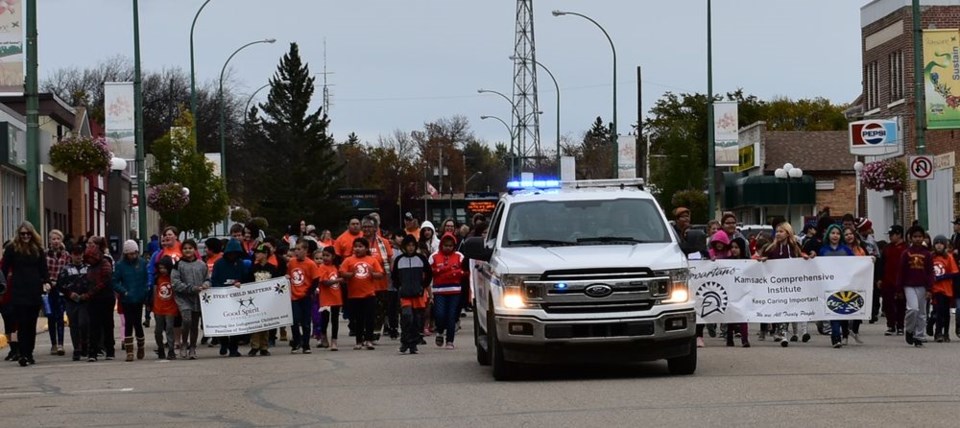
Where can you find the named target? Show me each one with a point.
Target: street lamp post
(858, 168)
(788, 172)
(246, 107)
(193, 73)
(513, 114)
(616, 150)
(223, 144)
(140, 163)
(557, 86)
(510, 132)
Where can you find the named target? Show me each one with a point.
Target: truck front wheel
(483, 349)
(685, 365)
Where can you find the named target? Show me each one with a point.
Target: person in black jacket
(73, 283)
(412, 275)
(25, 262)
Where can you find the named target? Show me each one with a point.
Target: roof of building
(50, 105)
(812, 151)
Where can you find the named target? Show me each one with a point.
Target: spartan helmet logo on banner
(711, 298)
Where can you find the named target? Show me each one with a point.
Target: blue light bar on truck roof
(533, 184)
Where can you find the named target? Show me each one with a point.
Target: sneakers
(784, 343)
(899, 332)
(917, 344)
(745, 344)
(439, 340)
(806, 337)
(357, 347)
(253, 352)
(795, 338)
(235, 354)
(712, 330)
(837, 344)
(762, 335)
(450, 346)
(700, 343)
(909, 339)
(183, 352)
(294, 349)
(323, 342)
(192, 354)
(369, 346)
(306, 350)
(333, 344)
(938, 338)
(856, 338)
(413, 351)
(264, 353)
(403, 349)
(890, 332)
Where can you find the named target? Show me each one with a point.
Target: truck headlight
(513, 297)
(678, 288)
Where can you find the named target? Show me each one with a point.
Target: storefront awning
(766, 190)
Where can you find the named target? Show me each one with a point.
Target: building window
(896, 76)
(872, 85)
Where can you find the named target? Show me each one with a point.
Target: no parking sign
(921, 167)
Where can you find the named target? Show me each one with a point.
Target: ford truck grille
(596, 291)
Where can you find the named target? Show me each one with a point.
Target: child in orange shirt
(945, 269)
(164, 309)
(302, 273)
(362, 272)
(331, 296)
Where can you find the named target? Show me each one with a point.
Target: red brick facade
(938, 142)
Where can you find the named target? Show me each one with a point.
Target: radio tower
(527, 111)
(326, 87)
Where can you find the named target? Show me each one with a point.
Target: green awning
(766, 190)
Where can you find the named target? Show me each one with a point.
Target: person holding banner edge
(784, 246)
(833, 247)
(229, 271)
(261, 270)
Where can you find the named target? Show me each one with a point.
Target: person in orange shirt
(164, 309)
(411, 225)
(380, 248)
(344, 242)
(331, 296)
(946, 271)
(411, 273)
(362, 272)
(302, 273)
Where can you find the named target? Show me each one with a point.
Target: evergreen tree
(299, 173)
(595, 159)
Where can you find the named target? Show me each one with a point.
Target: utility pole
(711, 144)
(641, 142)
(920, 105)
(138, 131)
(33, 120)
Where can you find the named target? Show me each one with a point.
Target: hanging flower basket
(80, 156)
(890, 174)
(167, 197)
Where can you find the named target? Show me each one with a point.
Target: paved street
(883, 383)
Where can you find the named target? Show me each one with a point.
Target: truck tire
(483, 353)
(502, 369)
(685, 365)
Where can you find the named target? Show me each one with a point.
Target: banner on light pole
(627, 156)
(726, 133)
(118, 110)
(11, 50)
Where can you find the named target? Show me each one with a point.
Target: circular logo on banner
(845, 302)
(713, 299)
(873, 133)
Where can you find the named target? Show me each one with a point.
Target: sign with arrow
(921, 167)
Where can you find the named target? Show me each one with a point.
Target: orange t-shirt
(330, 295)
(944, 265)
(382, 284)
(302, 274)
(163, 302)
(344, 244)
(362, 284)
(212, 260)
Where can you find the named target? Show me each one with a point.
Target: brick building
(889, 93)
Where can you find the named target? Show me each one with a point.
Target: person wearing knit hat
(130, 246)
(945, 268)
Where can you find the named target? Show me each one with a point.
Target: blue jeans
(301, 323)
(836, 331)
(55, 318)
(446, 311)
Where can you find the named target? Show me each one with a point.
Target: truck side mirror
(475, 248)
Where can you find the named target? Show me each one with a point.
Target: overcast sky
(400, 63)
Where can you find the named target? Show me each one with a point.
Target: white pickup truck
(581, 272)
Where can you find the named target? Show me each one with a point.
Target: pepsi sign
(875, 137)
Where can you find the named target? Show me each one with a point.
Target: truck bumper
(532, 340)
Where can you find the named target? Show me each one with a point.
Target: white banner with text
(253, 307)
(790, 290)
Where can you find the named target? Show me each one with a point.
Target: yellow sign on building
(748, 158)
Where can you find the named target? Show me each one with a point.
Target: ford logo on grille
(598, 290)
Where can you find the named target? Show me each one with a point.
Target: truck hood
(534, 260)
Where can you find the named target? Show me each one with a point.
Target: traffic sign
(921, 167)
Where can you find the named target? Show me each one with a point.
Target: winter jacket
(27, 273)
(783, 250)
(411, 275)
(73, 281)
(225, 270)
(447, 269)
(130, 281)
(722, 238)
(891, 264)
(99, 276)
(841, 250)
(187, 279)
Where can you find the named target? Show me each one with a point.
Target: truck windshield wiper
(541, 242)
(611, 239)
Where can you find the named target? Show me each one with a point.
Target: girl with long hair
(26, 265)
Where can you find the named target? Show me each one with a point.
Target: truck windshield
(600, 222)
